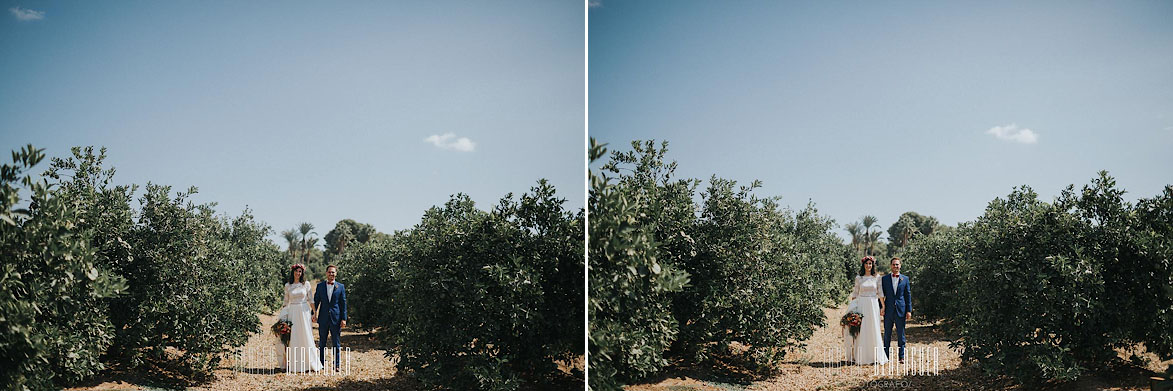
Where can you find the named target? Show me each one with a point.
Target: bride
(301, 355)
(867, 299)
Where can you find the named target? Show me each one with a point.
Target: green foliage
(632, 270)
(370, 271)
(51, 285)
(1046, 291)
(932, 262)
(196, 281)
(759, 274)
(1154, 238)
(347, 233)
(473, 299)
(908, 226)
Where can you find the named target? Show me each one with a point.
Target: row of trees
(302, 241)
(736, 277)
(472, 299)
(466, 299)
(1046, 291)
(88, 279)
(908, 226)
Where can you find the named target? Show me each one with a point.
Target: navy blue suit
(896, 303)
(331, 313)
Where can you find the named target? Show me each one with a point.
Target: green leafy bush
(51, 285)
(761, 276)
(1046, 291)
(196, 281)
(744, 270)
(631, 268)
(369, 271)
(1154, 237)
(473, 299)
(932, 262)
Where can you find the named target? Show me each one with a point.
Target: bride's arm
(313, 300)
(286, 299)
(855, 289)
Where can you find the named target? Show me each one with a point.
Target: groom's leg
(900, 335)
(323, 333)
(337, 331)
(887, 334)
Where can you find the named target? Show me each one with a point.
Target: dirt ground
(820, 367)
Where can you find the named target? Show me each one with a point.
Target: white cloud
(25, 14)
(450, 141)
(1013, 133)
(594, 3)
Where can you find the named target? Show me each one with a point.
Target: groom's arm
(908, 300)
(342, 304)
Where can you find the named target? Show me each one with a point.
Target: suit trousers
(890, 319)
(324, 332)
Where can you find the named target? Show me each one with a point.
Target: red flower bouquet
(852, 320)
(282, 329)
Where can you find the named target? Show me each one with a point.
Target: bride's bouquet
(282, 329)
(852, 319)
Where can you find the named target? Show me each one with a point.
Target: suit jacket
(898, 302)
(332, 311)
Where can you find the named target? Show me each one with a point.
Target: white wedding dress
(867, 348)
(302, 354)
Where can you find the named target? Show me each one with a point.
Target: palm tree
(872, 238)
(854, 230)
(312, 242)
(291, 239)
(906, 231)
(869, 221)
(306, 244)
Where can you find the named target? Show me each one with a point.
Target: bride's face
(867, 267)
(296, 274)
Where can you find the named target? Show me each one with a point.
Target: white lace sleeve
(880, 288)
(286, 296)
(855, 290)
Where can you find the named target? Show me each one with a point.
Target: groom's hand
(908, 316)
(314, 318)
(343, 325)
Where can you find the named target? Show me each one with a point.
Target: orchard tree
(53, 285)
(346, 233)
(908, 226)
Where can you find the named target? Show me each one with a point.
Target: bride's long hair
(291, 269)
(863, 268)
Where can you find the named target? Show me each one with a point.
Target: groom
(330, 302)
(897, 306)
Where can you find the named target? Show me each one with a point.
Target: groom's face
(896, 266)
(331, 273)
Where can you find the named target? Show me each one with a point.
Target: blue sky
(885, 107)
(306, 111)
